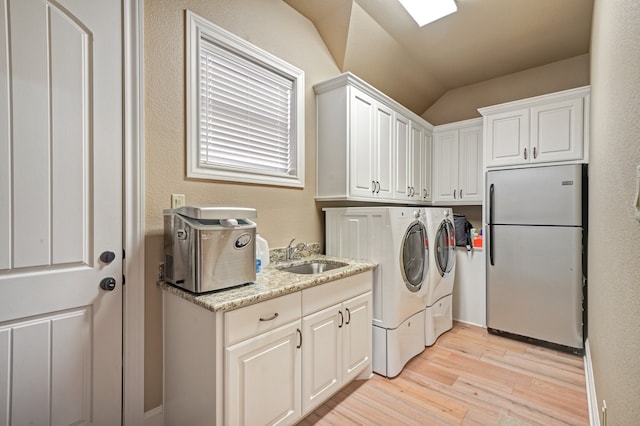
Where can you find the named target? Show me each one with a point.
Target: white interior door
(60, 208)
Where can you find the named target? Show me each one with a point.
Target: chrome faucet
(291, 249)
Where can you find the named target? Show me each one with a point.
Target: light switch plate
(177, 200)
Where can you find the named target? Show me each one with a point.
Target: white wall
(614, 234)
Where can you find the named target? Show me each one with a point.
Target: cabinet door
(321, 349)
(470, 164)
(356, 336)
(361, 164)
(403, 157)
(417, 141)
(262, 378)
(383, 151)
(426, 168)
(446, 166)
(507, 138)
(557, 131)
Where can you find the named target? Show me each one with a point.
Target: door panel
(321, 353)
(361, 163)
(60, 207)
(470, 164)
(31, 164)
(5, 153)
(534, 287)
(357, 336)
(536, 196)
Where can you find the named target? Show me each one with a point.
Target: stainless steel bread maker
(209, 248)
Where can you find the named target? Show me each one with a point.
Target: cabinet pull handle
(461, 194)
(348, 316)
(454, 194)
(341, 319)
(300, 336)
(373, 186)
(535, 155)
(378, 190)
(525, 153)
(271, 318)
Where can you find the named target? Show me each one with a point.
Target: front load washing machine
(395, 238)
(438, 311)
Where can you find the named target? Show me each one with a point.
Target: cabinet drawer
(259, 318)
(325, 295)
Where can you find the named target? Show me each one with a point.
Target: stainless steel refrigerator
(535, 265)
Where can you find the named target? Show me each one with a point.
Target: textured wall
(463, 103)
(282, 212)
(614, 237)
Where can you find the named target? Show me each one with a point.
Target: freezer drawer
(534, 282)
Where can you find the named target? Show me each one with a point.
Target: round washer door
(414, 256)
(445, 247)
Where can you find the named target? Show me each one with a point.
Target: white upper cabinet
(371, 155)
(425, 153)
(457, 168)
(369, 147)
(413, 163)
(544, 129)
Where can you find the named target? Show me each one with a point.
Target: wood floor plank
(469, 377)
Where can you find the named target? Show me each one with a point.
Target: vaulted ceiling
(378, 41)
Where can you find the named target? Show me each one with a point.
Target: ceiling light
(425, 11)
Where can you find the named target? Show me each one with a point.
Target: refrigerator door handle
(491, 231)
(491, 200)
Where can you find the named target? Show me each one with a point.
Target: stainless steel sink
(313, 268)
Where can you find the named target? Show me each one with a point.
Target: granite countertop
(271, 282)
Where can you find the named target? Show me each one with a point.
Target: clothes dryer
(395, 238)
(441, 235)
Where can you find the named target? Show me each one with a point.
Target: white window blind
(244, 114)
(249, 121)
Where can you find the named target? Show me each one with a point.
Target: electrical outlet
(162, 272)
(604, 413)
(177, 200)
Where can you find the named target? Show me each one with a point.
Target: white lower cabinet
(336, 348)
(322, 349)
(272, 362)
(262, 377)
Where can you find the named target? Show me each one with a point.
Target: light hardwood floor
(469, 377)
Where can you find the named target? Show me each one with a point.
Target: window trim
(199, 28)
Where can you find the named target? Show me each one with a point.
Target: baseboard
(594, 412)
(469, 323)
(154, 417)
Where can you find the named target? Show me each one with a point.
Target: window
(245, 110)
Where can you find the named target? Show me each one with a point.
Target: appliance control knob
(416, 213)
(446, 213)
